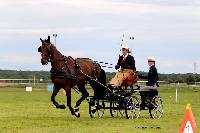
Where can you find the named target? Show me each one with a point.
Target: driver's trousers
(120, 76)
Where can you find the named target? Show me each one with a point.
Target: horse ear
(40, 49)
(48, 39)
(41, 40)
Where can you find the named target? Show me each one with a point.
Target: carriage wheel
(96, 109)
(116, 110)
(133, 108)
(122, 112)
(156, 108)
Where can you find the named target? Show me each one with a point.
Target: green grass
(23, 112)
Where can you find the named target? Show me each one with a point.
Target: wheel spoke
(133, 108)
(114, 109)
(156, 111)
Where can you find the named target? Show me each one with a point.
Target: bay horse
(67, 73)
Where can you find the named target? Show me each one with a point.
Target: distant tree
(189, 79)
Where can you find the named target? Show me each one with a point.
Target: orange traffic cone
(188, 124)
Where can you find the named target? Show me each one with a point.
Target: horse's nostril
(44, 62)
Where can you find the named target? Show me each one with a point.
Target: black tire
(156, 108)
(114, 109)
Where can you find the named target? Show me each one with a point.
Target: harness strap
(95, 80)
(62, 75)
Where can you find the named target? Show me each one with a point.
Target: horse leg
(55, 92)
(98, 90)
(68, 94)
(85, 94)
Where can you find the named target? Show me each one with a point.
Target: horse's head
(45, 51)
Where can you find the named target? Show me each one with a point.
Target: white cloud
(176, 66)
(17, 59)
(38, 31)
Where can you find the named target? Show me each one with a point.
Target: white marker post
(29, 89)
(177, 92)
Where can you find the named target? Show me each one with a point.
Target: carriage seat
(131, 80)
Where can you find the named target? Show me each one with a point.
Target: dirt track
(6, 84)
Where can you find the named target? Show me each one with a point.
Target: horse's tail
(102, 78)
(99, 91)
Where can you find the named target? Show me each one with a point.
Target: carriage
(123, 102)
(67, 73)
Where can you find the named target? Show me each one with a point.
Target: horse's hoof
(62, 106)
(76, 109)
(77, 114)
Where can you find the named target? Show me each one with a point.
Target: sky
(165, 29)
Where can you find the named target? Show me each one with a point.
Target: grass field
(23, 112)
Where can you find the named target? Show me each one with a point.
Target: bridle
(62, 73)
(50, 53)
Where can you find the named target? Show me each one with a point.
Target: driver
(126, 64)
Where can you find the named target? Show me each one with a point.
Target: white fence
(21, 81)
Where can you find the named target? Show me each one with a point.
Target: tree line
(170, 78)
